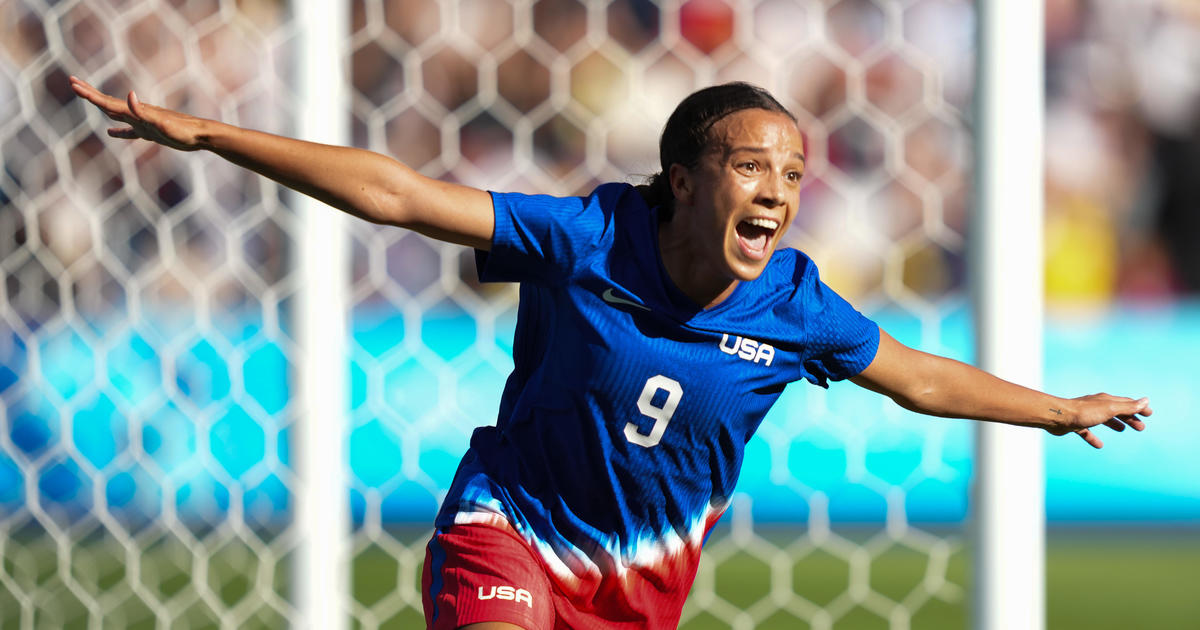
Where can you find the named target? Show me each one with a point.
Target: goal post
(322, 514)
(1009, 495)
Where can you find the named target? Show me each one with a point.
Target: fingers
(137, 113)
(129, 110)
(135, 106)
(1090, 438)
(112, 107)
(82, 88)
(1125, 412)
(1119, 423)
(1133, 422)
(1141, 407)
(1114, 412)
(147, 122)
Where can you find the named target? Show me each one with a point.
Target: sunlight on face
(738, 201)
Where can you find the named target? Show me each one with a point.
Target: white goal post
(1009, 486)
(322, 575)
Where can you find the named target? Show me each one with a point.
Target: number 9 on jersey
(661, 415)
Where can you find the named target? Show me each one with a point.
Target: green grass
(1096, 580)
(1146, 580)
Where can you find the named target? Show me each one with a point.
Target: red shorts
(476, 573)
(486, 572)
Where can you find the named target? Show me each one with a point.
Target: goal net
(146, 318)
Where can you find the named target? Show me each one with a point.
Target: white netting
(143, 316)
(144, 473)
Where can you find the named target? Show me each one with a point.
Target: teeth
(763, 223)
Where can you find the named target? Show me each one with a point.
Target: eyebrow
(799, 156)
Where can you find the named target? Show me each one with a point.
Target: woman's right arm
(363, 183)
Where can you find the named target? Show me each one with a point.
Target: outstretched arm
(365, 184)
(934, 385)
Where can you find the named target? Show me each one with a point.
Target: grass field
(1096, 580)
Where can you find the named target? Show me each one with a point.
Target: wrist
(1059, 413)
(212, 135)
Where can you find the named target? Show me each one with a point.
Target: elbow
(921, 398)
(385, 196)
(909, 403)
(383, 205)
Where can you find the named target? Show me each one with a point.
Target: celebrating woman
(657, 325)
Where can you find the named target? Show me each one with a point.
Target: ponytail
(657, 193)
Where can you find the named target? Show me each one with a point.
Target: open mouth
(755, 235)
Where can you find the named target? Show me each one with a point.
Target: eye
(749, 167)
(794, 176)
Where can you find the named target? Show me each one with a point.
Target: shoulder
(607, 196)
(552, 238)
(790, 269)
(793, 282)
(589, 217)
(617, 199)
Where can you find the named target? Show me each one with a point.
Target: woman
(657, 325)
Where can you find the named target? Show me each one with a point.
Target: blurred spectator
(1123, 148)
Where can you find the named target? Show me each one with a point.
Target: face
(741, 197)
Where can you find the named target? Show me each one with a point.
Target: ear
(682, 185)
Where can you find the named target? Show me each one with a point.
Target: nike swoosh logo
(612, 298)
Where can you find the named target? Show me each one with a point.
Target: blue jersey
(622, 427)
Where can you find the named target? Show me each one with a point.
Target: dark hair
(686, 133)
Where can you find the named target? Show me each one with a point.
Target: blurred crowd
(573, 93)
(1122, 149)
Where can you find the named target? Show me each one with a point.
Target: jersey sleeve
(543, 239)
(841, 342)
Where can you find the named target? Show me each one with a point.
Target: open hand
(1114, 412)
(166, 127)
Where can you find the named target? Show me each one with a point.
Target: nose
(772, 192)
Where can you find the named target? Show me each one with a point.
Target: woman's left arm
(938, 386)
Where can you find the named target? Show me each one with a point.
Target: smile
(754, 236)
(769, 224)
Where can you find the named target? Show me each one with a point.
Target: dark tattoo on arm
(1057, 411)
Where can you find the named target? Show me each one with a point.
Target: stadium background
(147, 344)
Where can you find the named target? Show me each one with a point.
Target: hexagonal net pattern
(147, 343)
(144, 475)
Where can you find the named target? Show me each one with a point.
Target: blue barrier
(205, 439)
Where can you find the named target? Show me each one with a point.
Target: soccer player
(656, 327)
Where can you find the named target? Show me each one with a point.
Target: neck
(689, 270)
